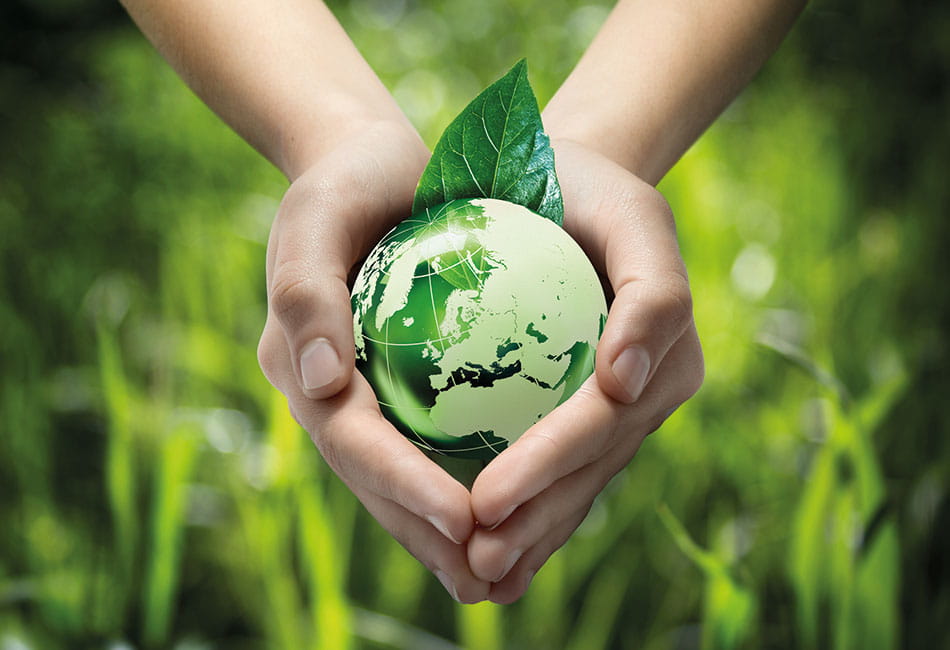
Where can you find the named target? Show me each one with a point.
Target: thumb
(647, 316)
(307, 292)
(330, 217)
(627, 228)
(652, 307)
(313, 310)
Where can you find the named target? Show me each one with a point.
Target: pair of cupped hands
(487, 543)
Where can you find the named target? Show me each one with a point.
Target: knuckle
(695, 368)
(291, 293)
(696, 376)
(270, 356)
(673, 293)
(266, 358)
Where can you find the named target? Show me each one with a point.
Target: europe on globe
(472, 321)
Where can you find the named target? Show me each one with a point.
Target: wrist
(583, 119)
(342, 117)
(379, 156)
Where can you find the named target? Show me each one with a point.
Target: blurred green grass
(154, 491)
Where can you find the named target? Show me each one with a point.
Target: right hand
(531, 498)
(329, 219)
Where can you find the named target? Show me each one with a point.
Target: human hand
(327, 222)
(531, 498)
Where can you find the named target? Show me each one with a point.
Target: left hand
(330, 217)
(530, 499)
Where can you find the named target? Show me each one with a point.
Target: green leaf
(495, 148)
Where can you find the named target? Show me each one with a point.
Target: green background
(154, 492)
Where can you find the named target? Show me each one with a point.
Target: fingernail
(448, 584)
(631, 369)
(319, 364)
(504, 516)
(510, 562)
(440, 526)
(528, 579)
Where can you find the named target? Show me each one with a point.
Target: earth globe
(472, 321)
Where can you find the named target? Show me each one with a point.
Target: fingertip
(323, 373)
(488, 556)
(491, 498)
(646, 318)
(456, 576)
(625, 376)
(495, 522)
(511, 589)
(464, 531)
(445, 504)
(373, 454)
(484, 553)
(471, 594)
(458, 533)
(448, 584)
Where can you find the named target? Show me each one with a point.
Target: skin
(555, 470)
(293, 85)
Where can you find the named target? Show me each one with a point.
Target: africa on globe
(472, 321)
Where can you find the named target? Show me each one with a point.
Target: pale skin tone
(289, 80)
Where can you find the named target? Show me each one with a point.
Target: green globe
(472, 321)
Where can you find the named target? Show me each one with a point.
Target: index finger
(365, 450)
(553, 447)
(583, 429)
(368, 453)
